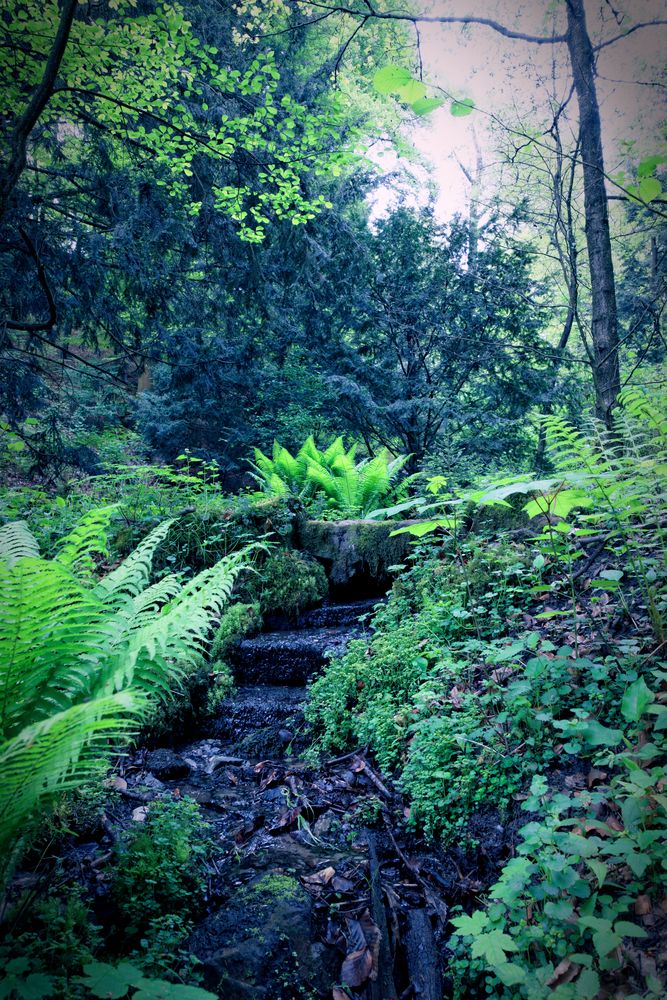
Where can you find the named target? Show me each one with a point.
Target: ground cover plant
(465, 718)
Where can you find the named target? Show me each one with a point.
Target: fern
(348, 488)
(81, 662)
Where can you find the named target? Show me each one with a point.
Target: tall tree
(582, 58)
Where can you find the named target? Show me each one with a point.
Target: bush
(330, 482)
(85, 660)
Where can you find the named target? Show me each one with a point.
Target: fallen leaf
(322, 877)
(564, 972)
(357, 967)
(117, 783)
(341, 884)
(642, 905)
(287, 819)
(373, 937)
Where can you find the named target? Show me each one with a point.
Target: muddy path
(315, 881)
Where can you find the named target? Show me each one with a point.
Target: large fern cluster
(81, 659)
(344, 487)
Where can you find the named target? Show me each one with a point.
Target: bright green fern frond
(88, 538)
(17, 542)
(133, 574)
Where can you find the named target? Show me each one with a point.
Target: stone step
(288, 657)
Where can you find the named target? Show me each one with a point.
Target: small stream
(278, 821)
(314, 864)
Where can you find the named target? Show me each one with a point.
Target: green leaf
(606, 941)
(474, 924)
(599, 869)
(412, 91)
(646, 167)
(509, 974)
(427, 104)
(597, 735)
(492, 946)
(418, 530)
(636, 700)
(628, 929)
(650, 188)
(390, 79)
(37, 986)
(160, 989)
(108, 981)
(460, 109)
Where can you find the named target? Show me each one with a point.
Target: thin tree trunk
(603, 293)
(18, 143)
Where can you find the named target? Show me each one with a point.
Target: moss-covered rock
(288, 582)
(350, 549)
(259, 945)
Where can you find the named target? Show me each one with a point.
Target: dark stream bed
(315, 879)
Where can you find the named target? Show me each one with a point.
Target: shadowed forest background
(332, 355)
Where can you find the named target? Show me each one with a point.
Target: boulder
(352, 551)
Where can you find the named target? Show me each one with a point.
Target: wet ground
(316, 880)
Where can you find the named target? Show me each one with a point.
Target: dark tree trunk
(603, 294)
(18, 144)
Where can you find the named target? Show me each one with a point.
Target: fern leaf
(17, 542)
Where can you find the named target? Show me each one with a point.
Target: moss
(288, 583)
(270, 888)
(354, 547)
(237, 620)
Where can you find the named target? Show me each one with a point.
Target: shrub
(330, 482)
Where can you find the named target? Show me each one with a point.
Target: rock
(167, 765)
(151, 782)
(139, 814)
(263, 932)
(325, 823)
(354, 549)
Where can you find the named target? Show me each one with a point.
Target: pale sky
(513, 80)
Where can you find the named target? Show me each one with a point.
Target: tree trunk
(18, 143)
(604, 331)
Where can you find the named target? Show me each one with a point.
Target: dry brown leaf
(341, 884)
(357, 967)
(564, 972)
(373, 937)
(322, 877)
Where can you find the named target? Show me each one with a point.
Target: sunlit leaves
(402, 84)
(460, 109)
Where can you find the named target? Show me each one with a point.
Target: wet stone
(167, 765)
(263, 931)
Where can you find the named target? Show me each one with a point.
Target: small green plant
(559, 917)
(116, 981)
(161, 866)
